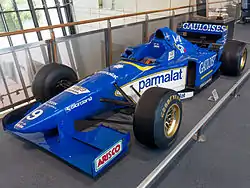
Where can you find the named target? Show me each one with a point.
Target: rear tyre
(47, 81)
(234, 58)
(157, 117)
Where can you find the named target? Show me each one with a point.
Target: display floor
(219, 162)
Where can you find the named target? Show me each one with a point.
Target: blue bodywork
(163, 62)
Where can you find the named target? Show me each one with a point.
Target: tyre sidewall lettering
(166, 104)
(160, 116)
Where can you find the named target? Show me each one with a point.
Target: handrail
(99, 19)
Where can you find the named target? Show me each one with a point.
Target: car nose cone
(39, 120)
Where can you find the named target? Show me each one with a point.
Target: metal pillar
(69, 15)
(34, 18)
(171, 23)
(145, 30)
(108, 44)
(59, 12)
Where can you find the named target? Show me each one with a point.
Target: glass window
(28, 23)
(37, 56)
(50, 3)
(46, 34)
(38, 3)
(1, 26)
(4, 42)
(31, 37)
(58, 32)
(12, 21)
(7, 5)
(26, 19)
(60, 2)
(65, 20)
(53, 14)
(41, 18)
(22, 4)
(64, 15)
(17, 40)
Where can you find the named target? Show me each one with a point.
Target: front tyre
(48, 81)
(234, 58)
(157, 117)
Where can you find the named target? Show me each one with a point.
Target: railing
(84, 52)
(103, 19)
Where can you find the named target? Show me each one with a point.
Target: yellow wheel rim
(243, 59)
(172, 120)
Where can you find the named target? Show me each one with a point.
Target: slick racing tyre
(48, 81)
(157, 117)
(234, 58)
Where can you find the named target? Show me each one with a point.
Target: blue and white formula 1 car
(148, 82)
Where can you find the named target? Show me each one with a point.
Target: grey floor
(24, 166)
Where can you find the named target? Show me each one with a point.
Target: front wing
(90, 151)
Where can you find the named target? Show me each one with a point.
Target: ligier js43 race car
(148, 83)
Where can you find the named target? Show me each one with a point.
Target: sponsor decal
(172, 76)
(181, 48)
(109, 74)
(118, 66)
(20, 125)
(167, 36)
(75, 105)
(156, 45)
(204, 27)
(205, 83)
(186, 95)
(107, 156)
(171, 55)
(35, 114)
(51, 104)
(141, 68)
(207, 64)
(178, 40)
(77, 90)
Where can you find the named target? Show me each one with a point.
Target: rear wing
(202, 28)
(211, 36)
